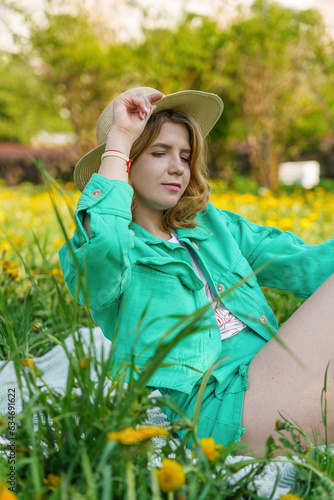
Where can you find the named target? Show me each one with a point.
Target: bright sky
(173, 7)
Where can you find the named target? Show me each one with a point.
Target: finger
(139, 101)
(148, 105)
(155, 97)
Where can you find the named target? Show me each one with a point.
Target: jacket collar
(197, 233)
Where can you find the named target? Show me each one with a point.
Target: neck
(151, 222)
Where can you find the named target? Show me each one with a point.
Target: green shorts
(222, 402)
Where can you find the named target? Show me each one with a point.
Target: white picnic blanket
(55, 364)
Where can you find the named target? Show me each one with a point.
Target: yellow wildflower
(209, 448)
(285, 224)
(171, 475)
(279, 425)
(5, 245)
(313, 216)
(270, 222)
(19, 240)
(52, 481)
(83, 363)
(58, 242)
(56, 272)
(37, 326)
(304, 222)
(28, 362)
(290, 496)
(5, 494)
(12, 273)
(69, 186)
(130, 436)
(6, 264)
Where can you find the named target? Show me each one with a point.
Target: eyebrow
(168, 146)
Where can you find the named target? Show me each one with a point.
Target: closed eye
(185, 159)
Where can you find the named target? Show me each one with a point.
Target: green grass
(71, 440)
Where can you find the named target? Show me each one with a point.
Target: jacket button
(220, 288)
(96, 194)
(263, 319)
(194, 245)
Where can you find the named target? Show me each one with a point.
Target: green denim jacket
(131, 272)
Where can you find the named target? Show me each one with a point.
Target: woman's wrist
(119, 141)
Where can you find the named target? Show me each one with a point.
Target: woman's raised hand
(131, 114)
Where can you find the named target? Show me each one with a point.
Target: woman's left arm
(282, 259)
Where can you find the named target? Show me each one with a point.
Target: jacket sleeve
(101, 261)
(282, 259)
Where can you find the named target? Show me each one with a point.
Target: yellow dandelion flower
(210, 448)
(51, 481)
(130, 436)
(19, 240)
(270, 222)
(304, 222)
(171, 475)
(69, 186)
(12, 273)
(290, 496)
(5, 494)
(58, 242)
(6, 264)
(83, 363)
(28, 362)
(56, 272)
(5, 245)
(37, 326)
(278, 424)
(285, 224)
(313, 216)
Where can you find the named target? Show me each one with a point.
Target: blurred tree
(24, 105)
(275, 65)
(73, 63)
(273, 69)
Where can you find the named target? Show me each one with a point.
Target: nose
(176, 165)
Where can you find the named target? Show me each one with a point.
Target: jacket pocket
(169, 268)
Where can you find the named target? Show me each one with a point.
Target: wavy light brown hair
(196, 196)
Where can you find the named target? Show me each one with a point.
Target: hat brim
(205, 108)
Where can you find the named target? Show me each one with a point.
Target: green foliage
(79, 68)
(275, 64)
(24, 109)
(272, 67)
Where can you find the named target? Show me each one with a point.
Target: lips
(174, 186)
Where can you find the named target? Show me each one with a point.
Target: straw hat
(205, 108)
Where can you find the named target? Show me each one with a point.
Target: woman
(155, 249)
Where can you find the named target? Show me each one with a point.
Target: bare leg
(277, 383)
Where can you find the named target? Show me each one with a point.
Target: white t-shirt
(228, 324)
